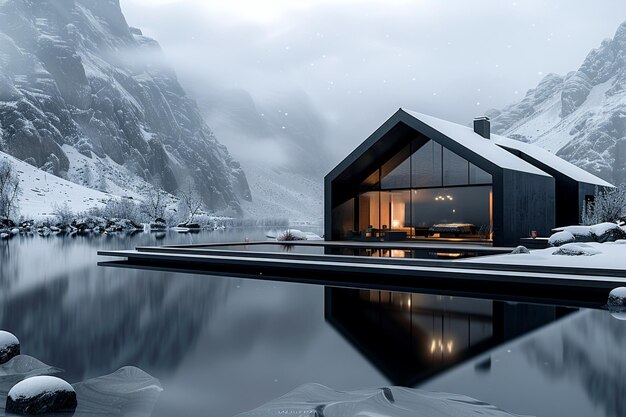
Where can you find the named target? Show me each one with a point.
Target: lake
(223, 345)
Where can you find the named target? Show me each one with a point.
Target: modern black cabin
(419, 177)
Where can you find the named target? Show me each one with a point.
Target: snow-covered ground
(103, 174)
(41, 191)
(612, 255)
(283, 194)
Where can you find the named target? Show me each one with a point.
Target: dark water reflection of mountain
(221, 346)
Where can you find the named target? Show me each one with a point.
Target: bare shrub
(63, 213)
(9, 190)
(609, 205)
(154, 203)
(190, 203)
(123, 208)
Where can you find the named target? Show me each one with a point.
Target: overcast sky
(361, 60)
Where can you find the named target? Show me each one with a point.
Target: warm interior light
(449, 254)
(437, 345)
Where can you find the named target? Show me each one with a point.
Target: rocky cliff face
(580, 116)
(73, 73)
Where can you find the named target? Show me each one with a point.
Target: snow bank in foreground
(317, 400)
(609, 255)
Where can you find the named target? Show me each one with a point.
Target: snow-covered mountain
(282, 146)
(80, 88)
(580, 116)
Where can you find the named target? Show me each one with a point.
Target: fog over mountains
(86, 97)
(580, 116)
(77, 82)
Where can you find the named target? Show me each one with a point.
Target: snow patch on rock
(37, 385)
(576, 249)
(520, 250)
(561, 238)
(617, 298)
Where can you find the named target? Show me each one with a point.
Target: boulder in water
(41, 394)
(617, 298)
(9, 346)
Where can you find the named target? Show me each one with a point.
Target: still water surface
(223, 345)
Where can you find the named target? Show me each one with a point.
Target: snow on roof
(486, 148)
(551, 160)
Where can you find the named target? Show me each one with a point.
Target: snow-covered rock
(75, 80)
(44, 231)
(520, 250)
(581, 233)
(576, 249)
(602, 232)
(158, 225)
(607, 232)
(295, 234)
(579, 116)
(41, 394)
(9, 346)
(617, 298)
(317, 400)
(561, 238)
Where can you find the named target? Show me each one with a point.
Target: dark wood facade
(523, 200)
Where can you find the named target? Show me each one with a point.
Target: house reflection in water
(410, 337)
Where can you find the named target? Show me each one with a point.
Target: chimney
(482, 127)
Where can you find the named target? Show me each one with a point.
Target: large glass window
(425, 191)
(452, 212)
(369, 210)
(456, 169)
(426, 166)
(396, 173)
(343, 220)
(478, 176)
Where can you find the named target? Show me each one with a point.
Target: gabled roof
(466, 137)
(548, 158)
(494, 150)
